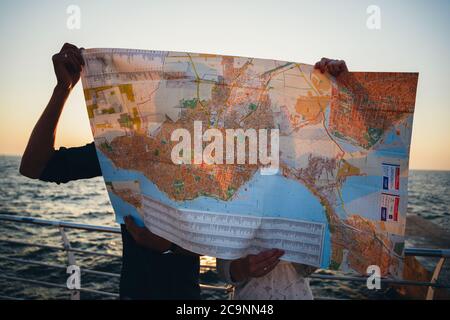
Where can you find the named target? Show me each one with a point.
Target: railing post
(74, 294)
(434, 278)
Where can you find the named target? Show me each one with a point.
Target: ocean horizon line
(411, 169)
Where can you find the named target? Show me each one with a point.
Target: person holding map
(147, 273)
(264, 276)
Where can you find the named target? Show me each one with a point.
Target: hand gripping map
(227, 156)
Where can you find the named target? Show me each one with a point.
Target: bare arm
(40, 146)
(67, 64)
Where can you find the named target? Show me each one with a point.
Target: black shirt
(69, 164)
(146, 274)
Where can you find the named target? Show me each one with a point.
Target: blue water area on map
(359, 186)
(393, 148)
(268, 196)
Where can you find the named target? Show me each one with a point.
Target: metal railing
(433, 284)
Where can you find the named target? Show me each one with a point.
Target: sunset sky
(414, 37)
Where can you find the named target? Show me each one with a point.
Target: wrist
(237, 271)
(62, 89)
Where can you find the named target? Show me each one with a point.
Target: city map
(337, 197)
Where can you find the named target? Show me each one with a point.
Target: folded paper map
(227, 156)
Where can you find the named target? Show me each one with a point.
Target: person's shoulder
(87, 146)
(79, 156)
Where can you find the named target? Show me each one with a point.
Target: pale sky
(414, 37)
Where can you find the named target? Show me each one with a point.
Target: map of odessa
(337, 137)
